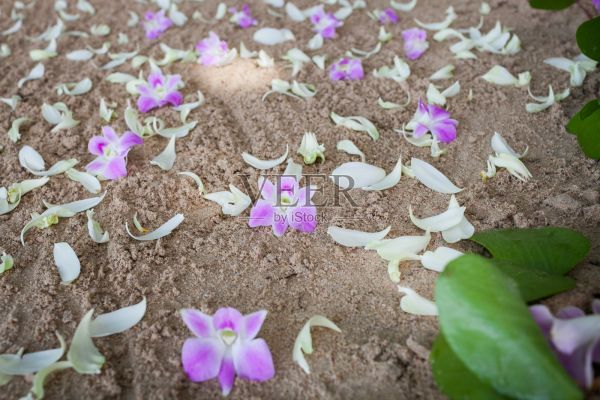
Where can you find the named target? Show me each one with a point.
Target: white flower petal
(390, 180)
(445, 72)
(293, 169)
(353, 238)
(118, 321)
(166, 158)
(17, 364)
(89, 182)
(294, 13)
(437, 26)
(67, 262)
(272, 36)
(356, 123)
(264, 164)
(349, 147)
(414, 303)
(439, 222)
(94, 229)
(36, 73)
(316, 42)
(83, 355)
(438, 259)
(162, 231)
(233, 202)
(355, 175)
(196, 179)
(400, 248)
(303, 342)
(431, 177)
(405, 7)
(463, 230)
(499, 145)
(30, 159)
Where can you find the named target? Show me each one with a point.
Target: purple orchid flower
(596, 4)
(159, 91)
(156, 23)
(226, 346)
(111, 150)
(212, 50)
(388, 16)
(242, 18)
(574, 337)
(288, 205)
(434, 119)
(346, 69)
(324, 23)
(415, 42)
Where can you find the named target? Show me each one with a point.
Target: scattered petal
(67, 262)
(431, 177)
(353, 238)
(162, 231)
(264, 164)
(303, 342)
(414, 303)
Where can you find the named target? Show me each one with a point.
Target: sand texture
(213, 260)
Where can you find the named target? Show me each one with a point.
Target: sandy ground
(213, 260)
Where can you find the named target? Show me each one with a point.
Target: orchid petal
(438, 259)
(36, 73)
(13, 133)
(353, 238)
(390, 180)
(118, 321)
(94, 229)
(272, 36)
(196, 179)
(405, 7)
(356, 175)
(356, 123)
(303, 342)
(67, 262)
(166, 159)
(414, 303)
(17, 364)
(400, 248)
(162, 231)
(293, 169)
(83, 355)
(233, 202)
(349, 147)
(445, 72)
(6, 264)
(253, 360)
(264, 164)
(89, 182)
(440, 222)
(431, 177)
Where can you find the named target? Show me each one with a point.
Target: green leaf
(454, 379)
(587, 38)
(535, 284)
(553, 250)
(490, 329)
(577, 123)
(551, 4)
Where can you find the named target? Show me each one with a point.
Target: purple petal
(288, 184)
(570, 334)
(579, 366)
(227, 375)
(445, 132)
(420, 130)
(109, 134)
(115, 168)
(438, 114)
(199, 323)
(543, 317)
(596, 302)
(173, 98)
(156, 78)
(570, 312)
(146, 103)
(252, 324)
(127, 141)
(253, 360)
(228, 318)
(97, 144)
(267, 189)
(261, 214)
(303, 219)
(202, 358)
(280, 224)
(173, 82)
(97, 166)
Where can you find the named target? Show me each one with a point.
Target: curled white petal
(13, 133)
(400, 248)
(18, 364)
(405, 7)
(232, 203)
(431, 177)
(499, 145)
(166, 159)
(36, 73)
(356, 123)
(349, 147)
(118, 321)
(438, 259)
(264, 164)
(83, 354)
(89, 182)
(353, 238)
(162, 231)
(355, 175)
(436, 26)
(196, 179)
(390, 179)
(445, 72)
(7, 263)
(440, 222)
(66, 262)
(414, 303)
(303, 342)
(94, 229)
(293, 169)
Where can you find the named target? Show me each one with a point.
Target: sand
(213, 261)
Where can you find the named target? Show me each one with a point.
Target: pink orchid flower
(159, 91)
(346, 69)
(225, 346)
(574, 337)
(287, 205)
(212, 50)
(388, 16)
(242, 18)
(596, 3)
(324, 23)
(415, 43)
(156, 23)
(111, 150)
(434, 119)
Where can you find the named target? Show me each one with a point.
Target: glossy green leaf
(553, 250)
(490, 329)
(577, 123)
(454, 379)
(535, 284)
(551, 4)
(588, 38)
(586, 125)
